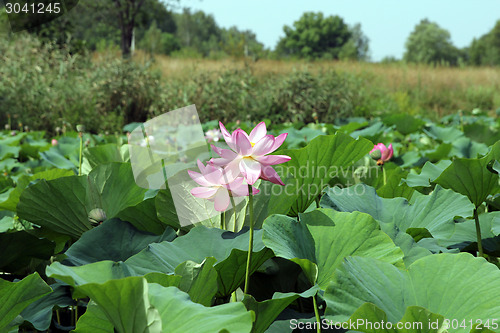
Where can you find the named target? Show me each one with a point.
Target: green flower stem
(250, 242)
(316, 312)
(384, 176)
(76, 313)
(478, 234)
(234, 208)
(81, 152)
(223, 220)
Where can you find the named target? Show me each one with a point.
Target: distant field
(420, 87)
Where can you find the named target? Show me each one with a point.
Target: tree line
(162, 27)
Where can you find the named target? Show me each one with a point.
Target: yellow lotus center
(252, 143)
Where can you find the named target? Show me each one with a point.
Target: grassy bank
(45, 87)
(433, 91)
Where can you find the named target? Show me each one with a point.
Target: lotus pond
(366, 225)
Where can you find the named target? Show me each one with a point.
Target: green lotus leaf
(267, 311)
(434, 212)
(180, 314)
(94, 156)
(17, 254)
(404, 123)
(39, 313)
(198, 280)
(16, 296)
(431, 282)
(428, 174)
(144, 216)
(371, 319)
(471, 177)
(15, 193)
(63, 204)
(323, 238)
(114, 240)
(94, 320)
(311, 168)
(444, 134)
(229, 249)
(125, 302)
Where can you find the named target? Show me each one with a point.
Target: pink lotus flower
(54, 142)
(385, 153)
(216, 187)
(247, 155)
(213, 135)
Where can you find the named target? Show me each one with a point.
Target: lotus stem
(80, 134)
(250, 241)
(234, 209)
(223, 220)
(478, 234)
(384, 176)
(316, 312)
(76, 314)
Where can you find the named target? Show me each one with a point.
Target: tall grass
(430, 90)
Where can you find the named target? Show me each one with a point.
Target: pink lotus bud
(54, 142)
(385, 153)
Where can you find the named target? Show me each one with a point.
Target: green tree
(108, 22)
(156, 41)
(430, 44)
(356, 47)
(314, 36)
(239, 43)
(485, 51)
(198, 31)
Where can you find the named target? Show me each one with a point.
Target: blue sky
(387, 23)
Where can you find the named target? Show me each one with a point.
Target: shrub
(43, 86)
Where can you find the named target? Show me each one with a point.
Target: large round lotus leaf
(456, 286)
(156, 309)
(323, 238)
(98, 272)
(94, 156)
(404, 123)
(229, 249)
(311, 168)
(471, 177)
(267, 311)
(16, 296)
(64, 204)
(39, 313)
(114, 240)
(125, 302)
(371, 319)
(179, 314)
(434, 212)
(94, 320)
(16, 254)
(144, 216)
(465, 236)
(428, 174)
(12, 200)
